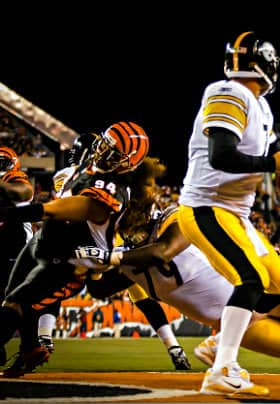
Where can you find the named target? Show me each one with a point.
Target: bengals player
(100, 189)
(144, 177)
(15, 188)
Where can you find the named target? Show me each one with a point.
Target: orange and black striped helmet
(121, 148)
(8, 160)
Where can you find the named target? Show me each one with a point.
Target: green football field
(129, 354)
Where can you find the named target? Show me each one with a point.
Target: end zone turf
(116, 387)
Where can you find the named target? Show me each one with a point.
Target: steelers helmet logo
(268, 52)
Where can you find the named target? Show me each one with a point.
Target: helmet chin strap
(266, 78)
(128, 161)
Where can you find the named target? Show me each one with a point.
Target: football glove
(99, 256)
(94, 253)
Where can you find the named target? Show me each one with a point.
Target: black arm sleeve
(224, 155)
(29, 213)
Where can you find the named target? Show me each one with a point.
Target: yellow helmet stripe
(236, 46)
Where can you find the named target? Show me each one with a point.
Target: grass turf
(130, 354)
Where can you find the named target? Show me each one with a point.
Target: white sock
(216, 337)
(234, 323)
(166, 335)
(46, 324)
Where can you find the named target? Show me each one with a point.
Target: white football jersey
(60, 179)
(188, 283)
(230, 105)
(192, 286)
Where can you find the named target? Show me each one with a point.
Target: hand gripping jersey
(230, 105)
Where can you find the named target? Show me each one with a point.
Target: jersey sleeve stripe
(225, 110)
(228, 98)
(220, 119)
(102, 196)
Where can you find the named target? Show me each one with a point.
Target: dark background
(144, 62)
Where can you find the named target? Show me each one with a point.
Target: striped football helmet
(8, 160)
(121, 148)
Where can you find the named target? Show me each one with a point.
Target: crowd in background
(18, 137)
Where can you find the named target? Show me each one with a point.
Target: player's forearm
(171, 243)
(16, 192)
(29, 213)
(75, 208)
(146, 256)
(224, 155)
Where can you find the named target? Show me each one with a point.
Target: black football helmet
(82, 145)
(253, 58)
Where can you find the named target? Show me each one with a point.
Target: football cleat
(17, 366)
(26, 362)
(206, 350)
(179, 358)
(47, 342)
(231, 380)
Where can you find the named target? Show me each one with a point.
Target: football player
(16, 188)
(152, 310)
(172, 270)
(227, 156)
(100, 193)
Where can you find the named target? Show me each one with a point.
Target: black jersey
(59, 239)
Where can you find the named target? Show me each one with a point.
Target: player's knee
(246, 295)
